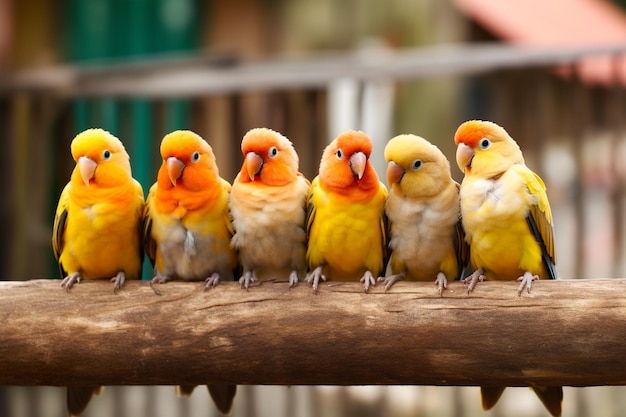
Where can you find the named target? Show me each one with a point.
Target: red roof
(556, 23)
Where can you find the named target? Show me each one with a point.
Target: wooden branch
(567, 332)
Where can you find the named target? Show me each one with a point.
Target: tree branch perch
(566, 332)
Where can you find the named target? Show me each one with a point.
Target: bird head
(188, 161)
(485, 149)
(100, 159)
(269, 158)
(415, 167)
(345, 162)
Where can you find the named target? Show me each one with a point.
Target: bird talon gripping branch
(526, 281)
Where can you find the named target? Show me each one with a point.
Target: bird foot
(293, 279)
(368, 280)
(118, 281)
(212, 281)
(159, 279)
(476, 277)
(246, 279)
(70, 280)
(441, 282)
(526, 281)
(313, 277)
(391, 280)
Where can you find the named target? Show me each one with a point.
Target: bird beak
(394, 173)
(175, 168)
(254, 163)
(464, 156)
(358, 161)
(87, 168)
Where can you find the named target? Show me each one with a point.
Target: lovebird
(346, 222)
(426, 236)
(507, 221)
(187, 226)
(268, 205)
(97, 226)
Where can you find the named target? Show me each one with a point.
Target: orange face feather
(270, 158)
(345, 164)
(472, 131)
(188, 177)
(188, 161)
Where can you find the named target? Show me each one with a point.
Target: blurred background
(551, 72)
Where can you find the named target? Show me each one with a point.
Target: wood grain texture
(566, 332)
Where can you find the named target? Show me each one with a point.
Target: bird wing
(539, 218)
(461, 247)
(149, 243)
(60, 222)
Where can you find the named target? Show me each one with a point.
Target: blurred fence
(571, 131)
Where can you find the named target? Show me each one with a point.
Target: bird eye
(417, 164)
(485, 143)
(339, 154)
(106, 154)
(273, 152)
(195, 157)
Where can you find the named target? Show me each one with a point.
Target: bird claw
(368, 280)
(159, 279)
(390, 280)
(526, 281)
(246, 279)
(313, 277)
(118, 281)
(476, 277)
(442, 283)
(70, 280)
(212, 281)
(293, 279)
(154, 289)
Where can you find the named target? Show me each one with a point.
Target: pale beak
(254, 163)
(87, 168)
(358, 161)
(464, 156)
(394, 173)
(175, 168)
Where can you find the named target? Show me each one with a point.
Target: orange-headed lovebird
(507, 221)
(346, 215)
(97, 226)
(426, 236)
(188, 229)
(187, 222)
(268, 204)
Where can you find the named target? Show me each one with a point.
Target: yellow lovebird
(346, 221)
(268, 204)
(426, 236)
(97, 226)
(507, 221)
(187, 228)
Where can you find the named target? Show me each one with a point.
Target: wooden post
(566, 332)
